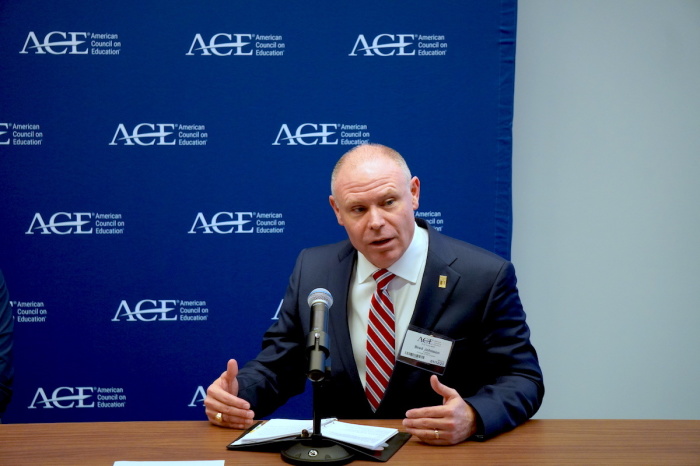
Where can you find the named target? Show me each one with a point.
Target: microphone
(317, 449)
(317, 341)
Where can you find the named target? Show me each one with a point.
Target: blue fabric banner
(163, 164)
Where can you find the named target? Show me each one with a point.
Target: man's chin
(382, 259)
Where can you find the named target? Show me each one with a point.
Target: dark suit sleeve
(277, 373)
(514, 386)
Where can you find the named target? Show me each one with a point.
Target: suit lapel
(439, 280)
(343, 359)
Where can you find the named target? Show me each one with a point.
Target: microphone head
(320, 295)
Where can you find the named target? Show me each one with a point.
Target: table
(539, 442)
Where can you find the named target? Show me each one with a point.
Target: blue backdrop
(164, 162)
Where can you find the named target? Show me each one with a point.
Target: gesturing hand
(450, 423)
(222, 405)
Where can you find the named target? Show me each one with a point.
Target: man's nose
(376, 218)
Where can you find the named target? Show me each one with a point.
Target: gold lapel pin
(442, 282)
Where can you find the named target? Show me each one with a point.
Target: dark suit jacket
(493, 365)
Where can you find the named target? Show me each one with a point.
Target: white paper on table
(276, 429)
(370, 437)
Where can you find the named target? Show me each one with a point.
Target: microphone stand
(317, 449)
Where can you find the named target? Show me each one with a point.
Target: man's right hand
(222, 399)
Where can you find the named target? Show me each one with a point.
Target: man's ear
(415, 192)
(336, 209)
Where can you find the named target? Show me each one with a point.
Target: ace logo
(384, 45)
(62, 223)
(223, 223)
(222, 45)
(64, 398)
(147, 310)
(57, 43)
(308, 134)
(145, 134)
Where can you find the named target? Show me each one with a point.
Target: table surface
(536, 442)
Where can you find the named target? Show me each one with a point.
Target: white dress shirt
(403, 290)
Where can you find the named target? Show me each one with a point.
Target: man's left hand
(451, 423)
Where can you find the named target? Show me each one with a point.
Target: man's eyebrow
(389, 193)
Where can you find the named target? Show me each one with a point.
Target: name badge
(426, 350)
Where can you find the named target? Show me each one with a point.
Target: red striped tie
(380, 340)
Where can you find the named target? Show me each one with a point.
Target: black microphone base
(316, 451)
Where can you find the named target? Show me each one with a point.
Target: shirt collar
(408, 265)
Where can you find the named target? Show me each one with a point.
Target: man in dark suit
(460, 299)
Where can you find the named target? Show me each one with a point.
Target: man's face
(375, 202)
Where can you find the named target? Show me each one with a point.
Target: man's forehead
(381, 192)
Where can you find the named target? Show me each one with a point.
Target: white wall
(606, 169)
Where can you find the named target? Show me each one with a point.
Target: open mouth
(381, 242)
